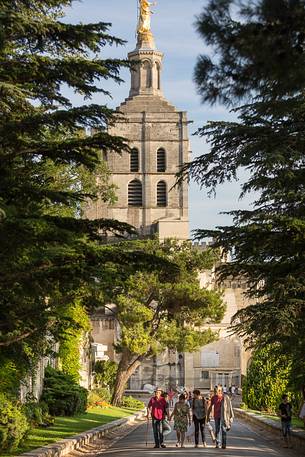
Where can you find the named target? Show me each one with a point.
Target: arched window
(161, 194)
(146, 75)
(161, 160)
(135, 193)
(134, 160)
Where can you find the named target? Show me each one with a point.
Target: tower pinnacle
(145, 36)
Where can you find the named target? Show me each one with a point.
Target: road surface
(242, 441)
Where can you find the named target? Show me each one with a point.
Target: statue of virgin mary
(144, 16)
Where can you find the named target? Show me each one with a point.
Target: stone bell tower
(158, 137)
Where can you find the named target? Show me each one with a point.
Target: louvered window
(134, 160)
(135, 193)
(161, 160)
(161, 194)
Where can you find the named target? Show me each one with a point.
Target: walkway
(243, 441)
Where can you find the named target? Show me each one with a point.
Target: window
(161, 160)
(146, 75)
(205, 375)
(135, 193)
(134, 160)
(161, 194)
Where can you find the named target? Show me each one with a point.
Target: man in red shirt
(223, 415)
(157, 409)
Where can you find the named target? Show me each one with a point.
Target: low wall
(68, 445)
(298, 435)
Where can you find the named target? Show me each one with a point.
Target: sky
(176, 36)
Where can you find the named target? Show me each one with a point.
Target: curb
(297, 435)
(68, 445)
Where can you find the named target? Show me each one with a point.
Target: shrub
(62, 394)
(37, 414)
(14, 425)
(99, 397)
(130, 402)
(93, 399)
(103, 393)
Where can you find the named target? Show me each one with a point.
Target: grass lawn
(296, 421)
(70, 426)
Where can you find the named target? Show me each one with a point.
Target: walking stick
(147, 425)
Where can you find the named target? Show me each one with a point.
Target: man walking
(223, 415)
(157, 409)
(285, 414)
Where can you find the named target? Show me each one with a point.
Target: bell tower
(157, 132)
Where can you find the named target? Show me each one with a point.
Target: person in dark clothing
(199, 416)
(285, 412)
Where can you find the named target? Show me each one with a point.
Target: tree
(155, 312)
(253, 42)
(105, 374)
(50, 258)
(266, 380)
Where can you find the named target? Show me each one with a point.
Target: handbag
(166, 428)
(191, 431)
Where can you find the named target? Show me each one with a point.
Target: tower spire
(144, 34)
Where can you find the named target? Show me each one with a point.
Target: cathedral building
(148, 199)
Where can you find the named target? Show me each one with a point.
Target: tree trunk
(127, 367)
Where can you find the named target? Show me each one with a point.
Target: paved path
(243, 441)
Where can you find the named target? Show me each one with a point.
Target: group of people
(191, 411)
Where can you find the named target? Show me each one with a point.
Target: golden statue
(144, 17)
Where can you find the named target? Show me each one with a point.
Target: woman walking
(199, 416)
(182, 418)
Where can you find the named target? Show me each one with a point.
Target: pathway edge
(64, 447)
(298, 435)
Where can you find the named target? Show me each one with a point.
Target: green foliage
(73, 340)
(14, 425)
(93, 399)
(156, 312)
(10, 377)
(62, 394)
(37, 413)
(132, 403)
(252, 43)
(105, 373)
(266, 381)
